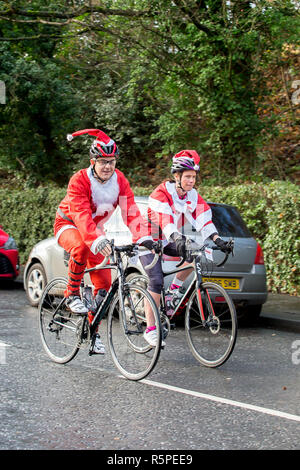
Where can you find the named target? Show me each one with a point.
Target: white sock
(176, 282)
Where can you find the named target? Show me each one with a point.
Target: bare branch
(40, 36)
(192, 17)
(10, 12)
(52, 23)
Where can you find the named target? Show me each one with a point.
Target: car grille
(5, 265)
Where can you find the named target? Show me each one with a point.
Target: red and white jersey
(170, 213)
(89, 204)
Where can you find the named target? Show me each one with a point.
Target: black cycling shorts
(155, 274)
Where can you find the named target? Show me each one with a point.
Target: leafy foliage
(40, 106)
(179, 74)
(272, 213)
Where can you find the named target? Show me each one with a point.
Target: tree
(187, 72)
(40, 105)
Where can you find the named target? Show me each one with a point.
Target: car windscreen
(228, 222)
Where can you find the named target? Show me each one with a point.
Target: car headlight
(10, 244)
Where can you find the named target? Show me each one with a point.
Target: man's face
(104, 167)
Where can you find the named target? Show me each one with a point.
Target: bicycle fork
(132, 311)
(211, 317)
(124, 293)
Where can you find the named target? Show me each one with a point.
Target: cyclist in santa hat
(171, 205)
(92, 196)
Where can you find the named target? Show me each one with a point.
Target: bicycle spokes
(131, 353)
(60, 330)
(211, 325)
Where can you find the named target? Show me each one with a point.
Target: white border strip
(226, 401)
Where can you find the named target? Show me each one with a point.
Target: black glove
(180, 245)
(148, 244)
(224, 246)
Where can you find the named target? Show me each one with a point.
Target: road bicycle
(210, 316)
(64, 333)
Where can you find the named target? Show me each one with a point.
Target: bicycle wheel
(60, 330)
(130, 352)
(211, 341)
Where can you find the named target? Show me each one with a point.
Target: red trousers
(80, 258)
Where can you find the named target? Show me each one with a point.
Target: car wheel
(35, 283)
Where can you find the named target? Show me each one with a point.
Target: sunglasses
(103, 163)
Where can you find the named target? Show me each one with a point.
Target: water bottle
(100, 296)
(176, 296)
(169, 306)
(87, 297)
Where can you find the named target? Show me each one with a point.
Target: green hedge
(271, 212)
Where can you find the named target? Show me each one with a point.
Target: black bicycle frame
(187, 292)
(118, 284)
(197, 280)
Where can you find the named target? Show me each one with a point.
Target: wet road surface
(251, 402)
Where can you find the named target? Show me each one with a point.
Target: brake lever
(157, 246)
(231, 243)
(189, 244)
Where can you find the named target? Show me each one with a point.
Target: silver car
(243, 275)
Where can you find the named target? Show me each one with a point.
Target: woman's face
(188, 179)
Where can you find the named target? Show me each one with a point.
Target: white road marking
(3, 347)
(226, 401)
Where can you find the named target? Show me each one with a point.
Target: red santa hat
(185, 160)
(103, 145)
(100, 135)
(188, 154)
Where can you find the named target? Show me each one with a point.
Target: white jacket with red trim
(89, 204)
(169, 212)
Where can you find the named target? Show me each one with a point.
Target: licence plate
(226, 283)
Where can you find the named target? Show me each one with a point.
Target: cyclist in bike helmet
(92, 196)
(171, 205)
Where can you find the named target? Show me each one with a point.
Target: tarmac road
(251, 402)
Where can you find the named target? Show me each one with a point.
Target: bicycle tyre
(211, 343)
(130, 352)
(61, 336)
